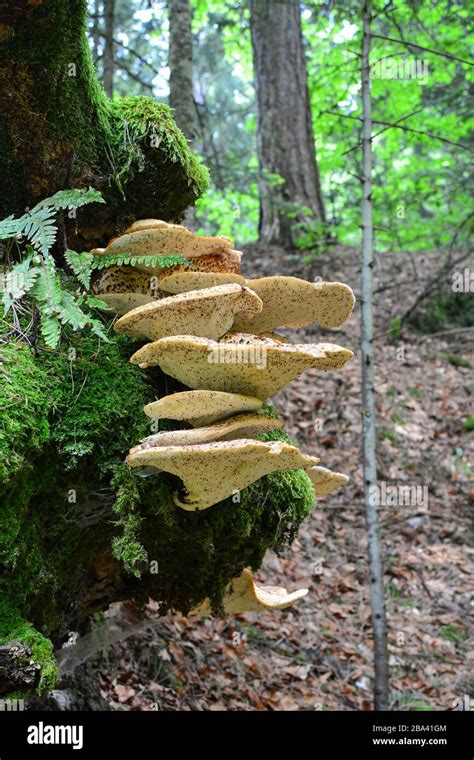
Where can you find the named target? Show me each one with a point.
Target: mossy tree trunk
(77, 529)
(58, 129)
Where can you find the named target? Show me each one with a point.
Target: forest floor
(318, 654)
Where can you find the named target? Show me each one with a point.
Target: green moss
(155, 164)
(199, 553)
(83, 412)
(24, 407)
(14, 628)
(50, 97)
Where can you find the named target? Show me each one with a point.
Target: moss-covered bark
(78, 530)
(58, 129)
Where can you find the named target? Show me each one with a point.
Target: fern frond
(18, 281)
(50, 329)
(152, 260)
(98, 329)
(69, 199)
(82, 265)
(9, 227)
(70, 313)
(47, 288)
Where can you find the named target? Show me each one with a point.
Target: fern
(36, 276)
(18, 281)
(152, 260)
(50, 329)
(69, 199)
(82, 265)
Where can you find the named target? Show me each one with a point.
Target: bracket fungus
(211, 472)
(240, 426)
(244, 595)
(212, 330)
(291, 302)
(157, 238)
(209, 313)
(252, 366)
(181, 282)
(324, 481)
(201, 408)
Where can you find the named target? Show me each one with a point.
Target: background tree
(285, 140)
(109, 46)
(59, 130)
(181, 97)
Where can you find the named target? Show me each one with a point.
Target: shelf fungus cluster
(207, 326)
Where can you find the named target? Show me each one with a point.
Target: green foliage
(152, 260)
(36, 274)
(14, 628)
(446, 308)
(468, 426)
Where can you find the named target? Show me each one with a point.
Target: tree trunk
(59, 130)
(181, 67)
(377, 595)
(109, 47)
(96, 31)
(285, 138)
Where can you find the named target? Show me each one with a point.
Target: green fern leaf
(73, 198)
(50, 329)
(127, 259)
(71, 314)
(18, 281)
(9, 227)
(82, 266)
(98, 329)
(47, 288)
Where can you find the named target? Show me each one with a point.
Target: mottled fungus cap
(121, 303)
(291, 302)
(325, 481)
(182, 282)
(201, 407)
(240, 426)
(208, 313)
(249, 365)
(244, 595)
(211, 472)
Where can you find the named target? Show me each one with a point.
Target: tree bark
(181, 78)
(181, 67)
(109, 47)
(58, 129)
(285, 138)
(96, 31)
(377, 594)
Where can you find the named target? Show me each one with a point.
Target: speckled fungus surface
(201, 407)
(213, 331)
(291, 302)
(254, 367)
(211, 472)
(240, 426)
(209, 313)
(244, 595)
(181, 282)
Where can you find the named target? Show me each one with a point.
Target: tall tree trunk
(109, 46)
(180, 61)
(285, 138)
(59, 130)
(377, 595)
(96, 31)
(181, 67)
